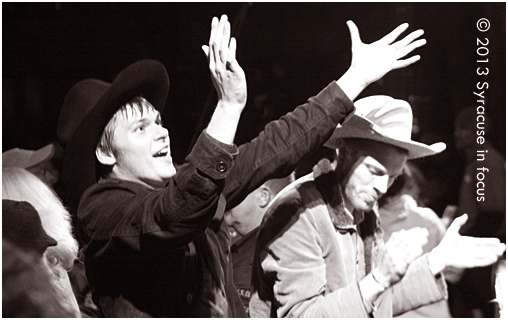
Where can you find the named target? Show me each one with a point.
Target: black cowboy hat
(88, 107)
(22, 226)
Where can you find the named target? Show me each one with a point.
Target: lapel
(367, 224)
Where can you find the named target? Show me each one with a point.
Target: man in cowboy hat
(155, 241)
(320, 251)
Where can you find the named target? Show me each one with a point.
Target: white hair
(20, 185)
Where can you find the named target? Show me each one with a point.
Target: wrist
(370, 291)
(229, 108)
(352, 83)
(436, 263)
(224, 121)
(378, 279)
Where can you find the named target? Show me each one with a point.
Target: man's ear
(264, 196)
(105, 158)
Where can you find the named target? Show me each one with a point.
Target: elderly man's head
(366, 169)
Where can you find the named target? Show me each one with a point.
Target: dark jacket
(242, 253)
(165, 253)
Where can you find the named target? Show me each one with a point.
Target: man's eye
(140, 129)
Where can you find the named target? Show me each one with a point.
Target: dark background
(289, 52)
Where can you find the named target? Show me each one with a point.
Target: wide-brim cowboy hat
(384, 119)
(88, 107)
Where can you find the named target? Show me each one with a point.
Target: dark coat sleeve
(276, 151)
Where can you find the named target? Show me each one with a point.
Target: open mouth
(163, 153)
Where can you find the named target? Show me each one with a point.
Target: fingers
(355, 34)
(406, 62)
(225, 39)
(414, 236)
(232, 51)
(408, 39)
(404, 51)
(457, 223)
(222, 47)
(487, 252)
(213, 33)
(472, 252)
(414, 239)
(407, 244)
(217, 42)
(417, 236)
(206, 50)
(389, 38)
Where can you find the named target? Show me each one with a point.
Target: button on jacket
(165, 253)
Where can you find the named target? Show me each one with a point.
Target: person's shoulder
(495, 157)
(109, 193)
(295, 192)
(116, 185)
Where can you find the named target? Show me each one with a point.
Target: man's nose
(381, 184)
(160, 133)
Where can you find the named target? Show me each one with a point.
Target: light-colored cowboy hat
(88, 107)
(23, 158)
(384, 119)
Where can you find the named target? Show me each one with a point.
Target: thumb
(355, 34)
(458, 223)
(206, 50)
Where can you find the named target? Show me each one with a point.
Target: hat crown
(78, 102)
(390, 117)
(384, 119)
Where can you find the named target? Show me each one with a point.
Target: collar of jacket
(367, 224)
(329, 186)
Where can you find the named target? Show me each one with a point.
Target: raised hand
(372, 61)
(400, 250)
(378, 58)
(229, 81)
(459, 251)
(228, 77)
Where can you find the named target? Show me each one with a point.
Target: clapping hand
(459, 251)
(400, 250)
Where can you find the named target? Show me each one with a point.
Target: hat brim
(361, 128)
(43, 154)
(25, 159)
(147, 78)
